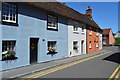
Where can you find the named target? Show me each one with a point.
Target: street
(98, 66)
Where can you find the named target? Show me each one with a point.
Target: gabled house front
(94, 34)
(117, 35)
(108, 38)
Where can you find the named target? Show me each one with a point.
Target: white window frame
(54, 44)
(90, 44)
(9, 13)
(90, 31)
(97, 44)
(97, 33)
(75, 45)
(52, 22)
(10, 45)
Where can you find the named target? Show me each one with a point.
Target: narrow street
(104, 66)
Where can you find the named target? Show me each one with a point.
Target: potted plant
(51, 51)
(9, 55)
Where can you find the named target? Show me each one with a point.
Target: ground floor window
(97, 44)
(52, 46)
(8, 45)
(90, 44)
(8, 50)
(75, 45)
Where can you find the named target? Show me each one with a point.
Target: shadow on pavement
(114, 58)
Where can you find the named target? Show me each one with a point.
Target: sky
(105, 14)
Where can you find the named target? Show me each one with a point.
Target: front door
(33, 50)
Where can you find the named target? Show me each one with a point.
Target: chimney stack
(89, 12)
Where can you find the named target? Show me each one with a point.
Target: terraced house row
(36, 32)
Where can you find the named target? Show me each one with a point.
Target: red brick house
(108, 37)
(93, 34)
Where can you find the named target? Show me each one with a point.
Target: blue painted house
(32, 33)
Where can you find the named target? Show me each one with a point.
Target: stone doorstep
(85, 56)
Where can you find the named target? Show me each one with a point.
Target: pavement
(31, 69)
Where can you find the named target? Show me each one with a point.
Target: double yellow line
(116, 72)
(63, 66)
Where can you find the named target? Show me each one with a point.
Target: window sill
(82, 32)
(52, 29)
(77, 32)
(9, 23)
(90, 34)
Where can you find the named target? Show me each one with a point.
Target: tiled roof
(106, 31)
(62, 9)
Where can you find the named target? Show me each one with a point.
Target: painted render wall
(0, 48)
(93, 38)
(73, 36)
(111, 38)
(33, 23)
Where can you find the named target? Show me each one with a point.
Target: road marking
(118, 75)
(64, 66)
(113, 74)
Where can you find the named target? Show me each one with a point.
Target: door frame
(37, 40)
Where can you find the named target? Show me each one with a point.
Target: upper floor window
(75, 27)
(97, 33)
(104, 36)
(9, 13)
(52, 22)
(90, 31)
(83, 28)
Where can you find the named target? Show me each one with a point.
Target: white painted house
(117, 35)
(76, 38)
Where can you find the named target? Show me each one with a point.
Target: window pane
(8, 45)
(52, 21)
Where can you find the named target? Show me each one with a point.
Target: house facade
(41, 32)
(108, 38)
(76, 38)
(35, 32)
(117, 35)
(93, 35)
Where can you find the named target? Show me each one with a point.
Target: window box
(52, 53)
(9, 55)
